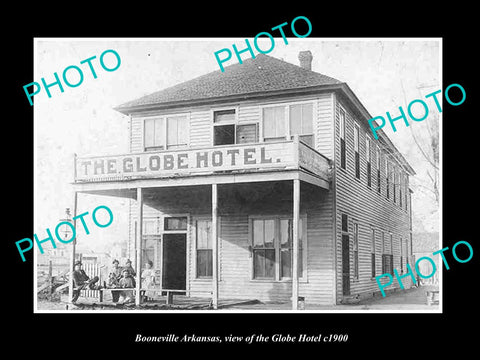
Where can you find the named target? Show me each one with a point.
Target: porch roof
(127, 188)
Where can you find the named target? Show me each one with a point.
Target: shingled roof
(260, 75)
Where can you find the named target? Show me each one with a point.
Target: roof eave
(381, 134)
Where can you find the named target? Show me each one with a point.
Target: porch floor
(411, 299)
(180, 302)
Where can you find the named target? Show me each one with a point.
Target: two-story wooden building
(260, 182)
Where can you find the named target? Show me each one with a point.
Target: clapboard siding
(366, 207)
(201, 121)
(324, 130)
(136, 135)
(200, 129)
(248, 114)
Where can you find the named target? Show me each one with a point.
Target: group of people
(122, 278)
(118, 278)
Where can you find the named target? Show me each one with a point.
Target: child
(148, 280)
(128, 266)
(126, 282)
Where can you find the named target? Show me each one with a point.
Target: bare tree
(426, 139)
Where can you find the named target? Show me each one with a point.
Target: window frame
(391, 243)
(368, 157)
(342, 117)
(277, 248)
(387, 177)
(378, 165)
(400, 186)
(355, 250)
(164, 118)
(164, 217)
(173, 231)
(302, 248)
(373, 244)
(406, 192)
(356, 149)
(288, 133)
(274, 248)
(156, 220)
(394, 181)
(235, 124)
(385, 254)
(196, 249)
(401, 255)
(302, 134)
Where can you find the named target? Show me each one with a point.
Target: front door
(346, 264)
(174, 261)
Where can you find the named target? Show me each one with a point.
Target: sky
(383, 73)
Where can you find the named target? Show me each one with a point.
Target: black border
(366, 331)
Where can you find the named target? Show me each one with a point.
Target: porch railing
(268, 156)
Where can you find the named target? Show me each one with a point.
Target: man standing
(81, 281)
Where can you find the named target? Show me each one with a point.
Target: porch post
(214, 247)
(296, 221)
(138, 245)
(72, 253)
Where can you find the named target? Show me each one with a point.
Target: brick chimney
(305, 58)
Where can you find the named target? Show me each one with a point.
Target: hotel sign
(187, 162)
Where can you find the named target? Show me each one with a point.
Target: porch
(196, 182)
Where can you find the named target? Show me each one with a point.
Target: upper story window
(301, 122)
(177, 132)
(274, 123)
(400, 186)
(356, 144)
(368, 157)
(342, 140)
(406, 191)
(387, 176)
(394, 182)
(378, 162)
(167, 132)
(284, 121)
(226, 131)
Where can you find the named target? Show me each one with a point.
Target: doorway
(174, 269)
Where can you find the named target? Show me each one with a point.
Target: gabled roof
(260, 75)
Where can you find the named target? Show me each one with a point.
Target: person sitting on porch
(81, 281)
(148, 281)
(127, 281)
(113, 278)
(128, 266)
